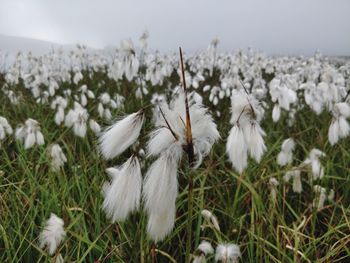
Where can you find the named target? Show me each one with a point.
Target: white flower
(246, 135)
(273, 185)
(295, 175)
(320, 197)
(204, 130)
(286, 154)
(77, 118)
(160, 190)
(339, 127)
(5, 128)
(314, 163)
(57, 157)
(211, 218)
(30, 134)
(122, 195)
(255, 142)
(236, 149)
(94, 126)
(118, 137)
(206, 248)
(53, 233)
(227, 253)
(276, 113)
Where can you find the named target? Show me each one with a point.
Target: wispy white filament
(236, 149)
(57, 157)
(208, 215)
(118, 137)
(30, 134)
(286, 154)
(227, 253)
(206, 248)
(5, 128)
(160, 190)
(122, 194)
(53, 233)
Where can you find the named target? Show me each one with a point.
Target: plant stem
(189, 218)
(190, 154)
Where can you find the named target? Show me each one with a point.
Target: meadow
(290, 210)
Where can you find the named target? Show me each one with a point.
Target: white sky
(272, 26)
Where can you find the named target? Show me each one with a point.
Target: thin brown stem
(190, 153)
(169, 127)
(190, 150)
(153, 252)
(251, 106)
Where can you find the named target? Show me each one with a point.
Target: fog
(272, 26)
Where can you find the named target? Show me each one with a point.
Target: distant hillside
(11, 44)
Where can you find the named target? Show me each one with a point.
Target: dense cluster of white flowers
(281, 87)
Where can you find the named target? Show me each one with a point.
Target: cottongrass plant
(121, 135)
(53, 233)
(204, 249)
(339, 127)
(313, 163)
(58, 159)
(30, 134)
(122, 194)
(185, 126)
(286, 155)
(294, 174)
(5, 128)
(77, 118)
(321, 196)
(246, 135)
(211, 219)
(227, 253)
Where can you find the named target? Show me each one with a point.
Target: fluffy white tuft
(227, 253)
(53, 233)
(121, 135)
(122, 194)
(206, 248)
(236, 149)
(160, 190)
(57, 157)
(255, 142)
(211, 218)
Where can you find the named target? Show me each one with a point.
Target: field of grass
(287, 230)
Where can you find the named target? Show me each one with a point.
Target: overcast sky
(272, 26)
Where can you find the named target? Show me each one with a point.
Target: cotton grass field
(260, 175)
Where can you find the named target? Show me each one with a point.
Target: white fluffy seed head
(121, 135)
(160, 190)
(94, 126)
(122, 194)
(208, 215)
(276, 113)
(58, 159)
(236, 149)
(343, 109)
(205, 248)
(254, 137)
(288, 145)
(53, 233)
(227, 253)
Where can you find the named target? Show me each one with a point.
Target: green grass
(30, 191)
